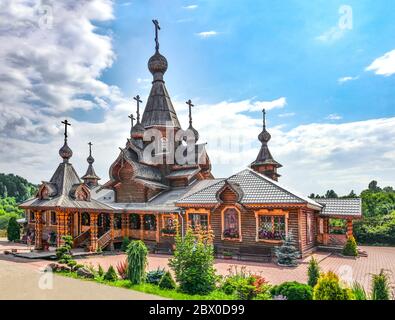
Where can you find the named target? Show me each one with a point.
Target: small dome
(90, 159)
(264, 136)
(157, 64)
(195, 132)
(137, 131)
(65, 152)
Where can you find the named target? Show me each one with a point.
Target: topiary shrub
(125, 243)
(328, 288)
(153, 277)
(13, 230)
(110, 275)
(381, 286)
(137, 261)
(167, 281)
(293, 291)
(63, 253)
(193, 262)
(350, 248)
(313, 272)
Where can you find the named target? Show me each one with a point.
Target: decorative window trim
(270, 213)
(50, 218)
(200, 211)
(164, 217)
(240, 239)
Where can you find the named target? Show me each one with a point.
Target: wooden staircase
(104, 240)
(81, 240)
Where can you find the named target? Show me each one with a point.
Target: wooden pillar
(349, 228)
(93, 232)
(157, 235)
(125, 225)
(141, 227)
(61, 227)
(38, 230)
(112, 230)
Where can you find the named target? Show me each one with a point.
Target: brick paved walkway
(350, 270)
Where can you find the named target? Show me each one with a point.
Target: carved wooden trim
(240, 239)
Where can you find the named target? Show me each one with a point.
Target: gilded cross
(157, 28)
(137, 98)
(66, 124)
(190, 105)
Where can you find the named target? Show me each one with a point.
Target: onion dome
(65, 152)
(137, 131)
(91, 179)
(157, 65)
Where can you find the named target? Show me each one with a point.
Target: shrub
(153, 277)
(111, 275)
(100, 271)
(122, 268)
(63, 253)
(137, 261)
(328, 288)
(350, 248)
(287, 254)
(313, 272)
(125, 243)
(193, 262)
(293, 291)
(359, 291)
(13, 230)
(167, 281)
(381, 286)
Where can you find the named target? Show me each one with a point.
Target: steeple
(65, 152)
(159, 110)
(264, 162)
(191, 128)
(90, 178)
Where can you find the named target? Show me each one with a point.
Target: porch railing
(104, 240)
(81, 238)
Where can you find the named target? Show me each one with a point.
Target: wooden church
(153, 184)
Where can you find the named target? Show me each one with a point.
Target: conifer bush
(100, 271)
(111, 274)
(287, 254)
(125, 243)
(328, 288)
(381, 286)
(350, 248)
(293, 291)
(153, 277)
(167, 281)
(137, 261)
(13, 230)
(63, 253)
(313, 272)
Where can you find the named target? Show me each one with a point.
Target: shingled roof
(256, 188)
(341, 207)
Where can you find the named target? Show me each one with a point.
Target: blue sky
(263, 50)
(327, 83)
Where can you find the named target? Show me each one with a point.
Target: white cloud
(384, 65)
(40, 83)
(346, 79)
(191, 7)
(334, 116)
(331, 35)
(207, 34)
(287, 114)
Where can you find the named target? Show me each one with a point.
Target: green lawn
(153, 289)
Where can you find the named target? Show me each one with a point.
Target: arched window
(231, 228)
(85, 219)
(134, 221)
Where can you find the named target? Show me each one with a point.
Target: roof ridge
(205, 188)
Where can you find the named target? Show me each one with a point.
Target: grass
(152, 289)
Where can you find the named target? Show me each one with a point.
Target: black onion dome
(157, 64)
(90, 159)
(65, 152)
(264, 136)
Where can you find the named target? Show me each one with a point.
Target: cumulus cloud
(191, 7)
(346, 79)
(384, 65)
(54, 71)
(331, 35)
(334, 116)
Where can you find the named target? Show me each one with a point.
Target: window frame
(240, 238)
(164, 217)
(50, 218)
(270, 213)
(200, 211)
